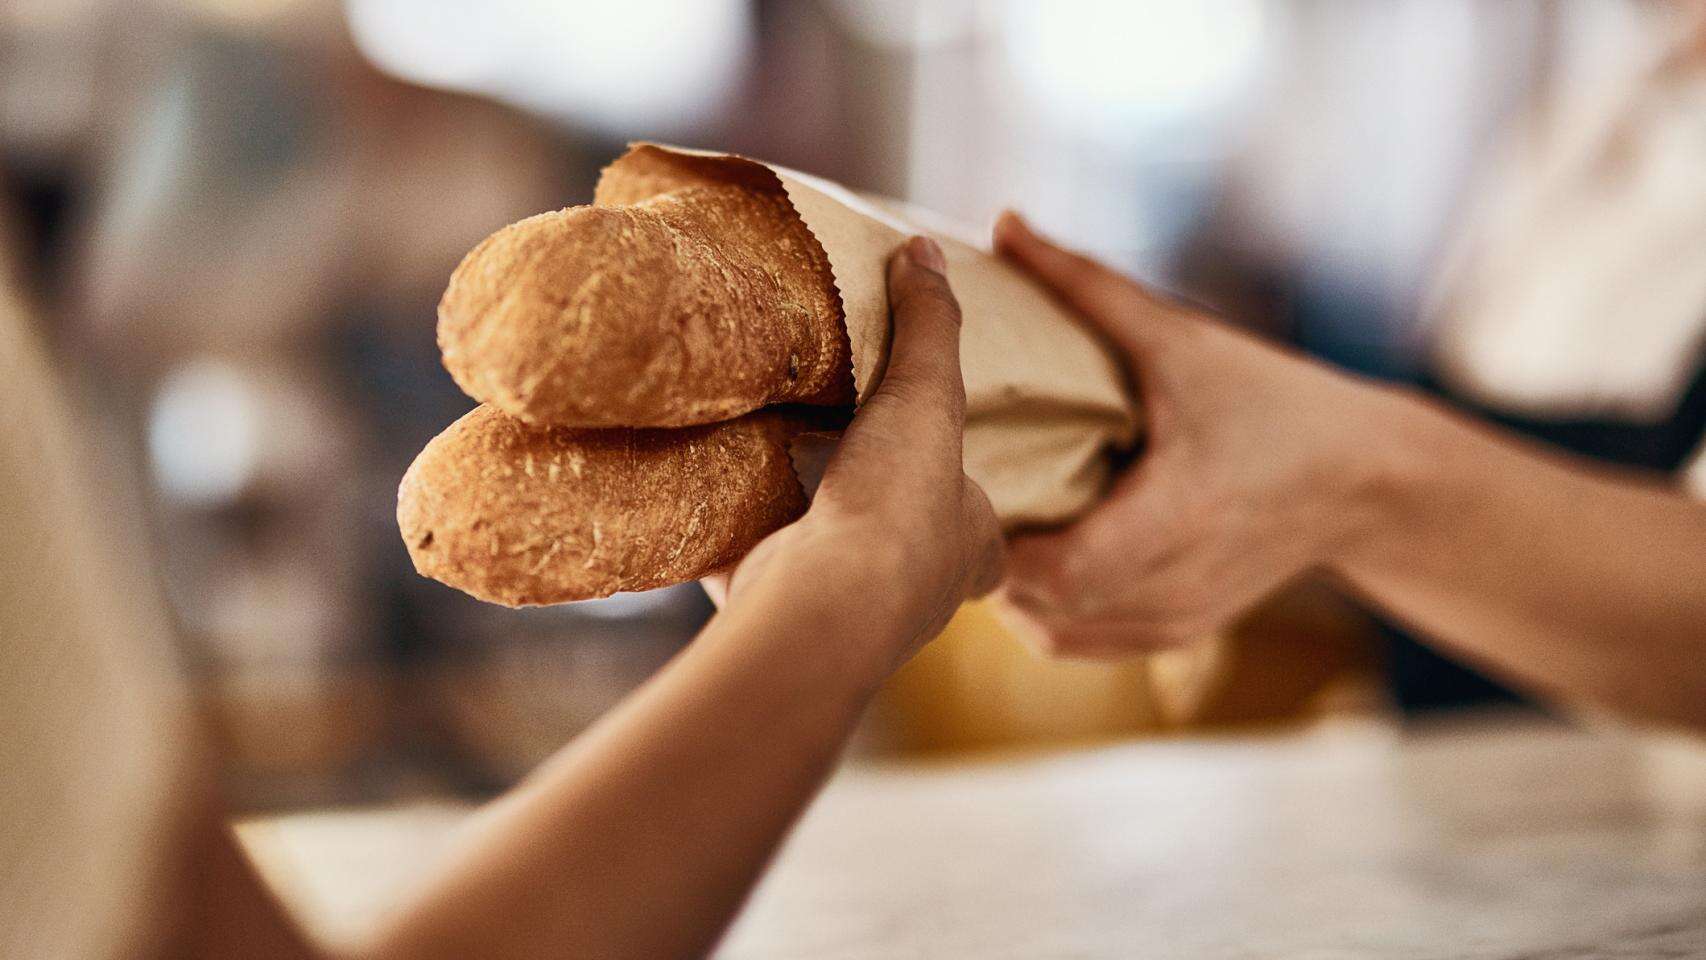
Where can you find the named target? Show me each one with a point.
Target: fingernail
(927, 254)
(1011, 219)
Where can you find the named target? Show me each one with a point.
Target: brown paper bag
(1046, 406)
(1045, 403)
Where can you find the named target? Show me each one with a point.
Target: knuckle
(911, 384)
(932, 386)
(926, 390)
(929, 298)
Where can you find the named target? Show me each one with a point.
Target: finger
(1123, 310)
(1146, 631)
(983, 532)
(921, 388)
(1087, 651)
(1097, 639)
(1084, 568)
(1051, 640)
(905, 442)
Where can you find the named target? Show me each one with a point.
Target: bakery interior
(231, 222)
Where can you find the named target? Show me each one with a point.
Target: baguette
(522, 515)
(687, 308)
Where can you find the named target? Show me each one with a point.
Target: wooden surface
(1486, 840)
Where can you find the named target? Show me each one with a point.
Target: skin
(1580, 583)
(643, 837)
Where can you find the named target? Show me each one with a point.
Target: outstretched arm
(1578, 582)
(643, 837)
(1581, 581)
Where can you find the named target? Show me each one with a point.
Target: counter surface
(1491, 839)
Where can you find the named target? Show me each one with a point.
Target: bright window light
(1096, 63)
(202, 433)
(624, 67)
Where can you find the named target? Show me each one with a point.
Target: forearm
(643, 838)
(1570, 578)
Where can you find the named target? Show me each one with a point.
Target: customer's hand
(1254, 468)
(897, 535)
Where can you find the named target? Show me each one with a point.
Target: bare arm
(1575, 581)
(643, 838)
(1580, 581)
(639, 840)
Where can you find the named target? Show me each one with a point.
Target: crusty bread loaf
(687, 308)
(523, 515)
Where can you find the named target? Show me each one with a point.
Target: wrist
(1394, 464)
(819, 600)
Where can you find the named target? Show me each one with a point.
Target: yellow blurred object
(1303, 654)
(979, 686)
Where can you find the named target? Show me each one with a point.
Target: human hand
(897, 535)
(1257, 466)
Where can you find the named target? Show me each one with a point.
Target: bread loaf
(522, 515)
(690, 307)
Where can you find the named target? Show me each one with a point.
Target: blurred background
(233, 219)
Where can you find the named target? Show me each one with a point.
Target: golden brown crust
(523, 515)
(687, 308)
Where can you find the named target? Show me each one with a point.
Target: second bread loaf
(690, 307)
(522, 515)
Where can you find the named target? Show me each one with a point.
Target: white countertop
(1497, 839)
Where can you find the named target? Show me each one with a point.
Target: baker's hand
(1254, 470)
(897, 535)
